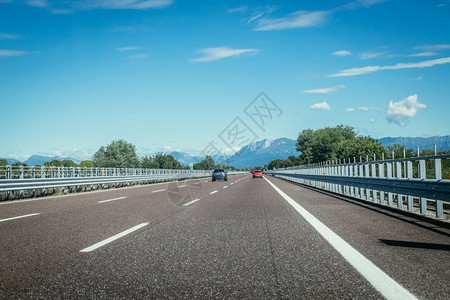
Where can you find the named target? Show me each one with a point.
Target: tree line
(343, 142)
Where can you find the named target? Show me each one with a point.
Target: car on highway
(257, 173)
(219, 173)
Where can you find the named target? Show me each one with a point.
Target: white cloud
(5, 36)
(342, 53)
(399, 112)
(129, 48)
(123, 4)
(293, 20)
(434, 47)
(238, 9)
(370, 69)
(211, 54)
(372, 120)
(302, 18)
(364, 108)
(350, 109)
(325, 90)
(138, 56)
(7, 53)
(423, 54)
(322, 106)
(38, 3)
(358, 4)
(369, 55)
(69, 6)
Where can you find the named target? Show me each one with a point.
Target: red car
(257, 173)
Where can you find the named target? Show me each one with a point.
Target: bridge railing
(404, 183)
(20, 181)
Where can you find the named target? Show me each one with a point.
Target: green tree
(68, 163)
(206, 164)
(19, 163)
(400, 151)
(53, 163)
(361, 146)
(86, 163)
(3, 162)
(118, 154)
(149, 163)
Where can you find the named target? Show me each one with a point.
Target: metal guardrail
(384, 181)
(40, 178)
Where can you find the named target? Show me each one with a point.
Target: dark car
(257, 173)
(219, 174)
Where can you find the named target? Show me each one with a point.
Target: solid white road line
(213, 192)
(157, 191)
(182, 186)
(19, 217)
(191, 202)
(114, 199)
(384, 284)
(113, 238)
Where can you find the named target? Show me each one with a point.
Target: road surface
(243, 238)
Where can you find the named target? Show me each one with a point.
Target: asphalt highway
(240, 239)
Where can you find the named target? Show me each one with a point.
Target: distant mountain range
(442, 142)
(262, 152)
(39, 160)
(258, 153)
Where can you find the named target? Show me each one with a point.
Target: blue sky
(181, 75)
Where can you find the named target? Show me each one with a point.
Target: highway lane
(240, 240)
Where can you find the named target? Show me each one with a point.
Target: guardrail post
(409, 174)
(21, 177)
(350, 173)
(42, 176)
(361, 174)
(389, 175)
(398, 169)
(438, 176)
(374, 174)
(381, 175)
(366, 174)
(422, 175)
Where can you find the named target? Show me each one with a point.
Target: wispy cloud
(128, 48)
(369, 55)
(238, 9)
(342, 53)
(301, 18)
(138, 56)
(293, 20)
(325, 90)
(423, 54)
(8, 53)
(260, 12)
(6, 36)
(399, 112)
(38, 3)
(211, 54)
(321, 106)
(434, 47)
(125, 4)
(350, 109)
(358, 4)
(69, 6)
(371, 69)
